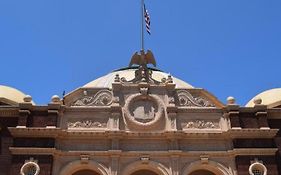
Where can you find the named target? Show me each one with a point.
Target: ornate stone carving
(143, 110)
(200, 124)
(101, 98)
(86, 124)
(186, 99)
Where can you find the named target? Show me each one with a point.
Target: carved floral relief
(200, 124)
(86, 124)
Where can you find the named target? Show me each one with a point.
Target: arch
(211, 166)
(155, 167)
(144, 172)
(202, 172)
(85, 172)
(75, 166)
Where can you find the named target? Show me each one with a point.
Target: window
(30, 168)
(257, 168)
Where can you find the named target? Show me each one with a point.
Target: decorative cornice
(187, 134)
(228, 153)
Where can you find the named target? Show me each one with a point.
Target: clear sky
(228, 47)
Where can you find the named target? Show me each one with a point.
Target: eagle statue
(143, 59)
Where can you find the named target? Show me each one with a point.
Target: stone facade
(139, 127)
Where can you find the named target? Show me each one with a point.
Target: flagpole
(142, 20)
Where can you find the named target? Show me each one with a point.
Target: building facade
(139, 121)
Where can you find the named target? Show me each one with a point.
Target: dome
(9, 95)
(129, 73)
(271, 98)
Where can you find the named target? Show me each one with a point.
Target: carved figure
(143, 59)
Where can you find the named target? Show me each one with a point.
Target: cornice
(105, 133)
(228, 153)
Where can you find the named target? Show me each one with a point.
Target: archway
(144, 172)
(85, 172)
(78, 168)
(202, 172)
(209, 168)
(145, 168)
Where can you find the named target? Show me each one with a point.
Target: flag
(147, 20)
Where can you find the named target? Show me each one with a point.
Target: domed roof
(129, 74)
(271, 98)
(10, 95)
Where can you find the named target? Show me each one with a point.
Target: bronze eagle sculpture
(143, 59)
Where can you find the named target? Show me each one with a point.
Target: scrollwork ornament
(186, 99)
(101, 98)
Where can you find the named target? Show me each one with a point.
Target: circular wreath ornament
(143, 110)
(30, 168)
(257, 169)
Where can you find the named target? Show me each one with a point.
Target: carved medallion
(143, 110)
(101, 98)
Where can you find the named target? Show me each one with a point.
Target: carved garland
(200, 124)
(86, 124)
(101, 98)
(186, 99)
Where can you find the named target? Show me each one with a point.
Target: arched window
(86, 172)
(144, 172)
(202, 172)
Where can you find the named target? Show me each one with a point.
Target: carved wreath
(101, 98)
(139, 123)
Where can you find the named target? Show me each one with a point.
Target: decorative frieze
(200, 124)
(86, 124)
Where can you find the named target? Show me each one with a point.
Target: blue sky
(230, 48)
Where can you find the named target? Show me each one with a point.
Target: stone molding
(187, 134)
(228, 153)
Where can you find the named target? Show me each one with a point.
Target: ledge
(228, 153)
